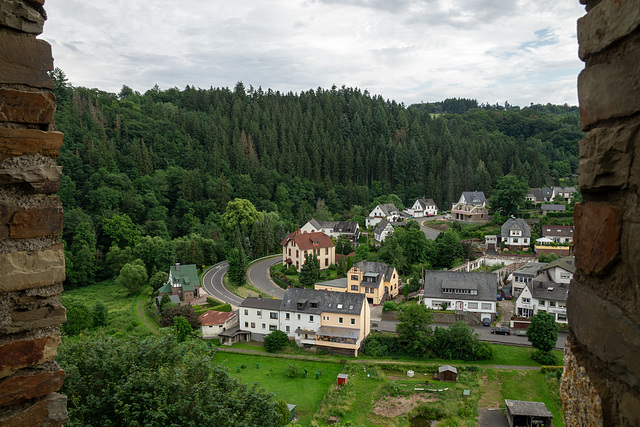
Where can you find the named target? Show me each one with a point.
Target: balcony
(334, 336)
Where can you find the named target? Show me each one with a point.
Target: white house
(564, 192)
(386, 211)
(260, 316)
(543, 295)
(558, 233)
(348, 229)
(382, 230)
(524, 275)
(422, 208)
(561, 270)
(515, 234)
(212, 323)
(461, 291)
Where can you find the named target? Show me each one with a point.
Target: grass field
(307, 393)
(534, 386)
(123, 319)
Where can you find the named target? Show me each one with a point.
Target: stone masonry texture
(601, 381)
(31, 251)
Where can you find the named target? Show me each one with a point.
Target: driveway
(258, 276)
(430, 233)
(492, 418)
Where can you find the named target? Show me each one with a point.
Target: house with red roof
(298, 244)
(215, 322)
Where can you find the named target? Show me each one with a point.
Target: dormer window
(339, 306)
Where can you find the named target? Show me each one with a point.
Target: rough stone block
(581, 403)
(22, 270)
(50, 411)
(606, 23)
(630, 241)
(20, 16)
(21, 142)
(38, 178)
(597, 236)
(20, 106)
(30, 223)
(28, 385)
(605, 159)
(25, 60)
(605, 330)
(609, 90)
(32, 319)
(23, 354)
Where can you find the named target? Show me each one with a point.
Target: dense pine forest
(150, 175)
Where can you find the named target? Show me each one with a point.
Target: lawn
(534, 386)
(122, 317)
(307, 392)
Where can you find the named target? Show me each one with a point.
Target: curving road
(258, 276)
(212, 283)
(430, 233)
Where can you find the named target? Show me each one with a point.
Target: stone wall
(31, 253)
(601, 383)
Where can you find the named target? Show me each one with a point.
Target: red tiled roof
(306, 241)
(212, 317)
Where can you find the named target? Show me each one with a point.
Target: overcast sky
(520, 51)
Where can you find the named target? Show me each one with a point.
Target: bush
(79, 317)
(292, 370)
(544, 358)
(390, 306)
(223, 307)
(291, 271)
(213, 302)
(333, 267)
(276, 341)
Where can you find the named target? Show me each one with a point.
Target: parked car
(447, 217)
(521, 333)
(499, 297)
(486, 322)
(501, 331)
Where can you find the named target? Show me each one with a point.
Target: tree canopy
(543, 331)
(414, 330)
(509, 194)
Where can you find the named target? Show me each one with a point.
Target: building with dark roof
(377, 281)
(387, 211)
(515, 233)
(558, 233)
(524, 413)
(524, 275)
(382, 230)
(183, 282)
(471, 207)
(298, 244)
(461, 291)
(422, 208)
(259, 316)
(546, 208)
(548, 291)
(348, 229)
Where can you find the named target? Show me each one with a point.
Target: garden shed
(343, 379)
(447, 373)
(527, 414)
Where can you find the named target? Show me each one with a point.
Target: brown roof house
(298, 244)
(214, 322)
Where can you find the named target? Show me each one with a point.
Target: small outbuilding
(527, 414)
(447, 373)
(292, 411)
(343, 379)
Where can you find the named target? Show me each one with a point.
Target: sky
(410, 51)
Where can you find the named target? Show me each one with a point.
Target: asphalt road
(483, 331)
(258, 276)
(430, 233)
(212, 283)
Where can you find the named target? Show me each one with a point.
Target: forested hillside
(165, 163)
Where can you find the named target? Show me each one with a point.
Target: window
(287, 316)
(273, 315)
(297, 253)
(473, 305)
(313, 304)
(562, 318)
(246, 312)
(246, 324)
(264, 326)
(272, 327)
(353, 321)
(310, 318)
(253, 325)
(339, 306)
(526, 300)
(287, 328)
(486, 306)
(340, 320)
(354, 277)
(326, 251)
(552, 303)
(326, 262)
(298, 316)
(289, 251)
(542, 302)
(259, 313)
(354, 287)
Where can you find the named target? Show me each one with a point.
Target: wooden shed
(447, 373)
(527, 414)
(343, 379)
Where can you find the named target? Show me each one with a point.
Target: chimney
(177, 266)
(259, 296)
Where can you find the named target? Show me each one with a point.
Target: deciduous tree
(414, 330)
(509, 194)
(133, 277)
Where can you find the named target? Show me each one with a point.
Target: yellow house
(335, 321)
(375, 280)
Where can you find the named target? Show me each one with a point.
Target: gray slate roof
(340, 282)
(557, 230)
(381, 226)
(485, 283)
(522, 407)
(265, 303)
(568, 263)
(543, 288)
(515, 224)
(444, 368)
(328, 301)
(376, 267)
(553, 208)
(473, 197)
(530, 269)
(388, 208)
